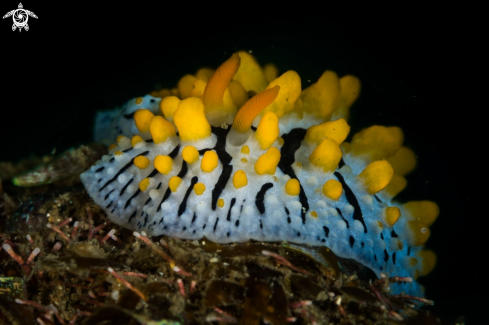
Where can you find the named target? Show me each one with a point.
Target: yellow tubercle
(190, 154)
(327, 155)
(268, 130)
(190, 120)
(332, 189)
(350, 89)
(244, 160)
(161, 129)
(403, 161)
(245, 116)
(118, 153)
(238, 94)
(245, 150)
(240, 179)
(396, 185)
(168, 106)
(280, 141)
(428, 261)
(267, 163)
(141, 162)
(376, 176)
(425, 212)
(417, 233)
(293, 187)
(391, 215)
(412, 261)
(220, 202)
(112, 146)
(139, 100)
(143, 118)
(290, 90)
(163, 164)
(314, 214)
(174, 183)
(377, 142)
(143, 185)
(162, 93)
(136, 139)
(380, 225)
(198, 88)
(270, 71)
(213, 97)
(322, 98)
(209, 161)
(250, 74)
(337, 130)
(123, 140)
(199, 188)
(204, 74)
(185, 85)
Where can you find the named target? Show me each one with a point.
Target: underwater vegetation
(234, 198)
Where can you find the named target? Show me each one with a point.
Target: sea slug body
(239, 153)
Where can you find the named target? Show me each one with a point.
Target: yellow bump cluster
(267, 163)
(350, 89)
(136, 139)
(322, 98)
(112, 146)
(391, 215)
(143, 185)
(174, 183)
(161, 129)
(417, 233)
(429, 261)
(209, 161)
(396, 185)
(425, 212)
(250, 74)
(327, 155)
(376, 176)
(141, 162)
(332, 189)
(143, 118)
(378, 142)
(118, 153)
(168, 106)
(240, 179)
(190, 154)
(163, 164)
(290, 90)
(238, 94)
(403, 161)
(337, 130)
(185, 85)
(199, 188)
(314, 214)
(271, 71)
(139, 100)
(293, 187)
(220, 202)
(268, 130)
(191, 121)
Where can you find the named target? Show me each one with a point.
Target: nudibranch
(241, 153)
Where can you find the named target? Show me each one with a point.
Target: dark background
(75, 61)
